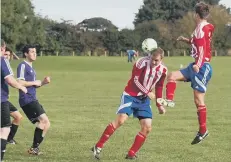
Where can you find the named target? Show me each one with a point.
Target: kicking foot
(165, 102)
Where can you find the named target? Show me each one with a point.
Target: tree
(166, 10)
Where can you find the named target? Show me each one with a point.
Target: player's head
(3, 47)
(29, 52)
(7, 54)
(157, 56)
(201, 11)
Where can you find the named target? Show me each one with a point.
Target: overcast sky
(120, 12)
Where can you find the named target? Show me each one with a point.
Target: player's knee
(198, 102)
(18, 118)
(171, 76)
(46, 123)
(146, 129)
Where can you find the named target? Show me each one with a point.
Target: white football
(149, 45)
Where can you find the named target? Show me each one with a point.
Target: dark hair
(202, 9)
(26, 49)
(8, 49)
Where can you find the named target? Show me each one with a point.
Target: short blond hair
(158, 51)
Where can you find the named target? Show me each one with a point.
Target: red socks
(106, 135)
(201, 112)
(139, 140)
(170, 90)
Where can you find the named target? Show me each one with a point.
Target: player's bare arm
(13, 83)
(183, 39)
(36, 83)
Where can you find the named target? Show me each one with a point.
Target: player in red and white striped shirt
(198, 73)
(146, 84)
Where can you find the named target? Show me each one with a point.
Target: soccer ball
(149, 44)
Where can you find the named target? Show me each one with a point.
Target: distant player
(6, 79)
(148, 75)
(131, 55)
(199, 72)
(13, 110)
(28, 102)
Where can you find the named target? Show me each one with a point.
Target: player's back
(202, 37)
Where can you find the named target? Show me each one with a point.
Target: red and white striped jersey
(201, 43)
(145, 78)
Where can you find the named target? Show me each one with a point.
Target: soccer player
(148, 75)
(199, 72)
(13, 110)
(131, 55)
(6, 79)
(28, 102)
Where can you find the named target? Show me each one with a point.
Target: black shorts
(12, 107)
(33, 110)
(5, 114)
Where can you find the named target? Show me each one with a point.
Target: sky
(120, 12)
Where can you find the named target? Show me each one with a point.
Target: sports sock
(13, 130)
(3, 147)
(106, 135)
(38, 138)
(201, 112)
(139, 141)
(170, 90)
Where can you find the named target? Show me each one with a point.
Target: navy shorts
(199, 81)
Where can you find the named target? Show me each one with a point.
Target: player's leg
(17, 117)
(146, 126)
(199, 84)
(144, 114)
(123, 112)
(107, 133)
(202, 116)
(5, 126)
(172, 78)
(36, 114)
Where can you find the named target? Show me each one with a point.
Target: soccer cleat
(34, 151)
(131, 157)
(96, 152)
(165, 102)
(199, 137)
(12, 142)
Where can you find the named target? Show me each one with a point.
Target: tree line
(162, 20)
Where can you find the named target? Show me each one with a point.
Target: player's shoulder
(163, 67)
(22, 64)
(202, 29)
(142, 62)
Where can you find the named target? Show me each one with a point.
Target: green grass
(84, 95)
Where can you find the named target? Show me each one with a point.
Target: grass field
(83, 98)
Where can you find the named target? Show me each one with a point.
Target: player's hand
(46, 80)
(24, 89)
(151, 95)
(180, 38)
(196, 68)
(161, 110)
(37, 83)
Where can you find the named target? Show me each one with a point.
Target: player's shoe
(131, 157)
(96, 152)
(34, 151)
(165, 102)
(199, 137)
(12, 142)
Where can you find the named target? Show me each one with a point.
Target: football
(149, 45)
